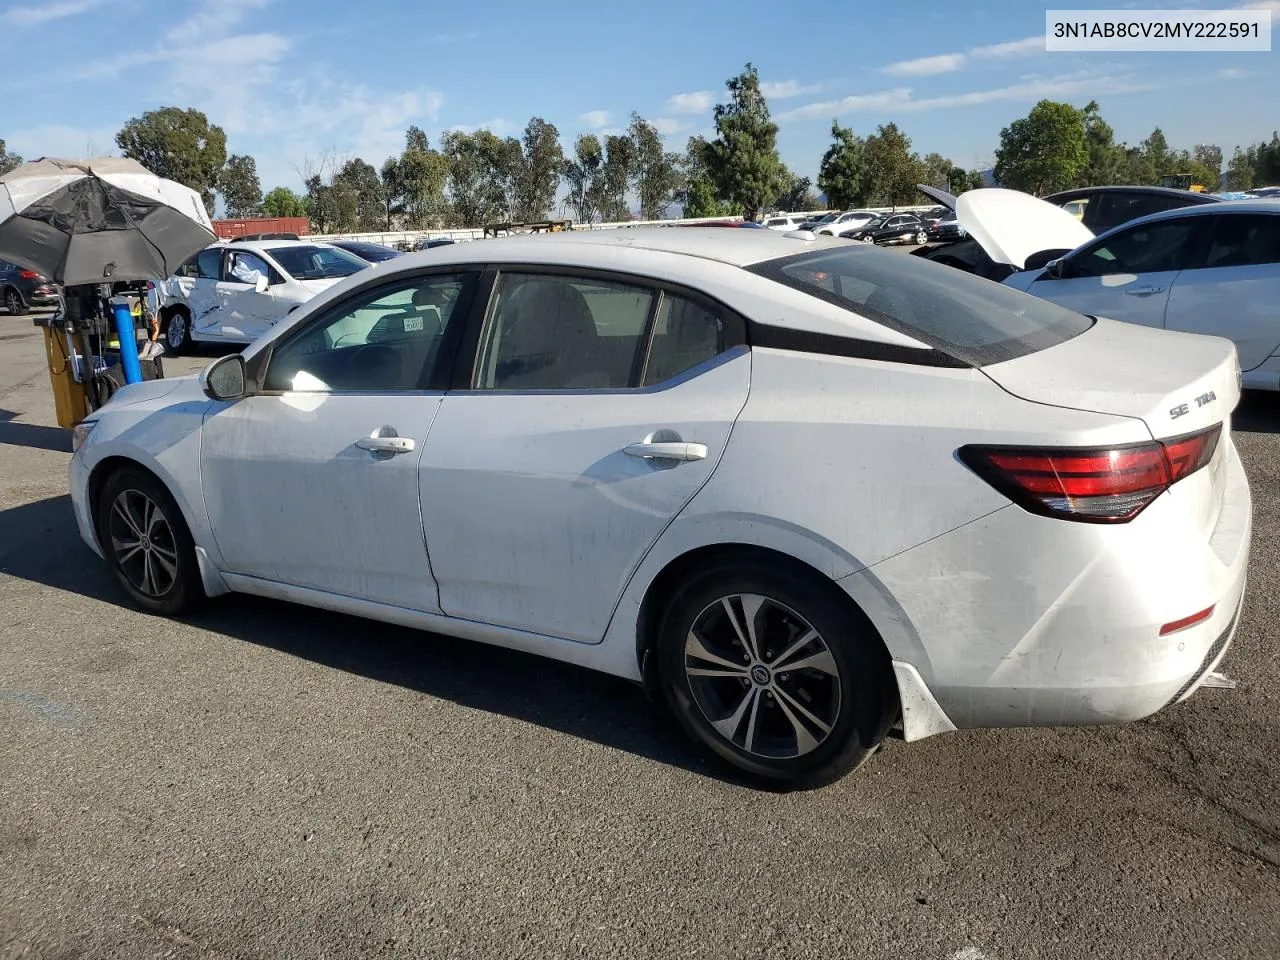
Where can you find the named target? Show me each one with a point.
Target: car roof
(1190, 196)
(268, 245)
(602, 247)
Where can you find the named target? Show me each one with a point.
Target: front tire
(769, 670)
(13, 302)
(177, 333)
(147, 543)
(922, 238)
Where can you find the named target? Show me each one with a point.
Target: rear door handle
(1143, 291)
(386, 444)
(667, 451)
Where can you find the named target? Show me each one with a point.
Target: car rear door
(590, 412)
(1235, 291)
(1127, 274)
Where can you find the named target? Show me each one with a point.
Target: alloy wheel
(12, 302)
(143, 543)
(177, 332)
(762, 676)
(921, 237)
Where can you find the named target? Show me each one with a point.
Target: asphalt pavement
(263, 780)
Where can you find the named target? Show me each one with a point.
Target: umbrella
(98, 221)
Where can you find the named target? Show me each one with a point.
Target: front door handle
(386, 444)
(651, 450)
(1143, 291)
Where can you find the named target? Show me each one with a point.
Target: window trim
(465, 360)
(436, 380)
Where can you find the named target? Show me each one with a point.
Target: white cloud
(950, 62)
(1234, 73)
(595, 119)
(787, 88)
(668, 125)
(497, 126)
(36, 14)
(700, 101)
(903, 100)
(926, 66)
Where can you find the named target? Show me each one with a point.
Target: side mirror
(225, 378)
(260, 285)
(1056, 269)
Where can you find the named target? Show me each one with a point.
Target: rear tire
(14, 303)
(177, 333)
(791, 713)
(147, 543)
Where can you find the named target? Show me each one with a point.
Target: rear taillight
(29, 275)
(1108, 485)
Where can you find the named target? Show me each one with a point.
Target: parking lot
(267, 780)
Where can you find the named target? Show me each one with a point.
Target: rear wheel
(13, 302)
(147, 543)
(767, 669)
(177, 333)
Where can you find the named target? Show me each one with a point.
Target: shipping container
(226, 229)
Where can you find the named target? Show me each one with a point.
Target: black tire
(14, 303)
(867, 695)
(177, 325)
(173, 592)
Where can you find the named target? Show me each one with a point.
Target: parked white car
(235, 292)
(784, 222)
(1203, 269)
(849, 220)
(804, 489)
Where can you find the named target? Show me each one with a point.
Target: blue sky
(294, 80)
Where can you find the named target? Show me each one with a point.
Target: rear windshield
(966, 317)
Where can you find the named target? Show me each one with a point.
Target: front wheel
(771, 672)
(13, 303)
(177, 333)
(147, 543)
(921, 238)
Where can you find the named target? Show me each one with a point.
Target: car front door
(589, 414)
(1127, 274)
(1235, 293)
(312, 480)
(244, 313)
(195, 285)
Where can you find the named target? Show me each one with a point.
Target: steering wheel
(367, 362)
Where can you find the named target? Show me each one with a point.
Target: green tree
(936, 170)
(842, 176)
(975, 181)
(796, 193)
(1136, 167)
(1239, 171)
(359, 193)
(1209, 155)
(421, 174)
(539, 174)
(1156, 152)
(743, 159)
(178, 145)
(892, 170)
(656, 176)
(582, 176)
(1264, 158)
(1044, 151)
(238, 183)
(283, 202)
(1105, 161)
(8, 161)
(483, 172)
(698, 196)
(393, 191)
(615, 175)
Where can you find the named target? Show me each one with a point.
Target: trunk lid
(1011, 225)
(1176, 383)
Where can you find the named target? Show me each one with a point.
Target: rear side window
(209, 264)
(968, 318)
(1244, 241)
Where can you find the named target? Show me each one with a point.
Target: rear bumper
(41, 298)
(1017, 620)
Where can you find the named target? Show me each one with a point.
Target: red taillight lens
(1095, 486)
(29, 275)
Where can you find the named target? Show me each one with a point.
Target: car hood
(1011, 225)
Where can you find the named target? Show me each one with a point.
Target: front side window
(386, 339)
(1245, 240)
(245, 267)
(1148, 248)
(961, 315)
(556, 333)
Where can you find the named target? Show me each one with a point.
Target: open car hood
(1011, 225)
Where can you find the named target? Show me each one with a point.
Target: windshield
(317, 263)
(966, 317)
(373, 252)
(876, 222)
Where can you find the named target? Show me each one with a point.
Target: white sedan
(1203, 269)
(806, 491)
(235, 292)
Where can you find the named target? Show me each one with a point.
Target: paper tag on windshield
(412, 323)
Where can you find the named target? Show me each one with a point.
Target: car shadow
(1258, 412)
(33, 434)
(43, 546)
